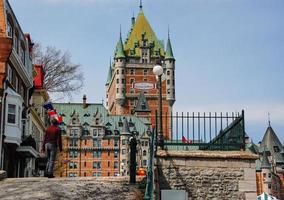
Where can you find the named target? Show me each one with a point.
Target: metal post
(133, 144)
(160, 135)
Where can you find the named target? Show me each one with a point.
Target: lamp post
(133, 147)
(158, 71)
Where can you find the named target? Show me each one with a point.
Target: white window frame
(10, 113)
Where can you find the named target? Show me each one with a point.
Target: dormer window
(73, 120)
(276, 149)
(97, 121)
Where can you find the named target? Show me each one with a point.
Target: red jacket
(53, 136)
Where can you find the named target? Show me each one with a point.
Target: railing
(149, 192)
(201, 131)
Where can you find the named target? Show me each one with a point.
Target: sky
(229, 53)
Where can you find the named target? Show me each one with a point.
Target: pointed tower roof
(119, 51)
(265, 162)
(125, 126)
(109, 76)
(142, 104)
(169, 50)
(273, 144)
(142, 26)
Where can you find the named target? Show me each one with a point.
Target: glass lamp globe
(158, 70)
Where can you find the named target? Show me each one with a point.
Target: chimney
(84, 101)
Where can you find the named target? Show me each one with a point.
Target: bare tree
(61, 75)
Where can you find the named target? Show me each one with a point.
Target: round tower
(119, 70)
(170, 73)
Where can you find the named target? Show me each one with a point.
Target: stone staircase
(99, 188)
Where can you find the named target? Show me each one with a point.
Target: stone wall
(207, 175)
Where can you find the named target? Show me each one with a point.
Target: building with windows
(15, 90)
(96, 143)
(270, 166)
(131, 85)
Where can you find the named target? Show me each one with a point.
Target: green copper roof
(109, 76)
(273, 144)
(119, 51)
(134, 40)
(169, 51)
(265, 162)
(87, 116)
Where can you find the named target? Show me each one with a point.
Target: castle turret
(119, 70)
(109, 77)
(266, 170)
(170, 72)
(124, 146)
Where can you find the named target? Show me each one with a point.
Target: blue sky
(229, 53)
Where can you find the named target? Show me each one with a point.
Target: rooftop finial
(168, 31)
(269, 119)
(140, 5)
(120, 30)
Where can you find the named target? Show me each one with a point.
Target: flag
(190, 141)
(48, 106)
(184, 140)
(51, 113)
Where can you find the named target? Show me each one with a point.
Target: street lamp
(158, 71)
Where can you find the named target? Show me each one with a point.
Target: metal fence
(201, 131)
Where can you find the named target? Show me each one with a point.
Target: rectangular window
(97, 154)
(124, 142)
(132, 90)
(116, 154)
(123, 151)
(168, 82)
(97, 143)
(144, 163)
(115, 165)
(73, 142)
(9, 29)
(108, 163)
(95, 132)
(132, 80)
(10, 74)
(116, 143)
(22, 55)
(117, 80)
(168, 72)
(132, 71)
(117, 71)
(16, 43)
(117, 90)
(122, 71)
(145, 72)
(11, 113)
(73, 154)
(72, 165)
(98, 165)
(73, 132)
(122, 81)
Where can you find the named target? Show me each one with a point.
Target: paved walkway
(68, 188)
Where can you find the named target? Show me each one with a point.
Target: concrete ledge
(208, 154)
(3, 175)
